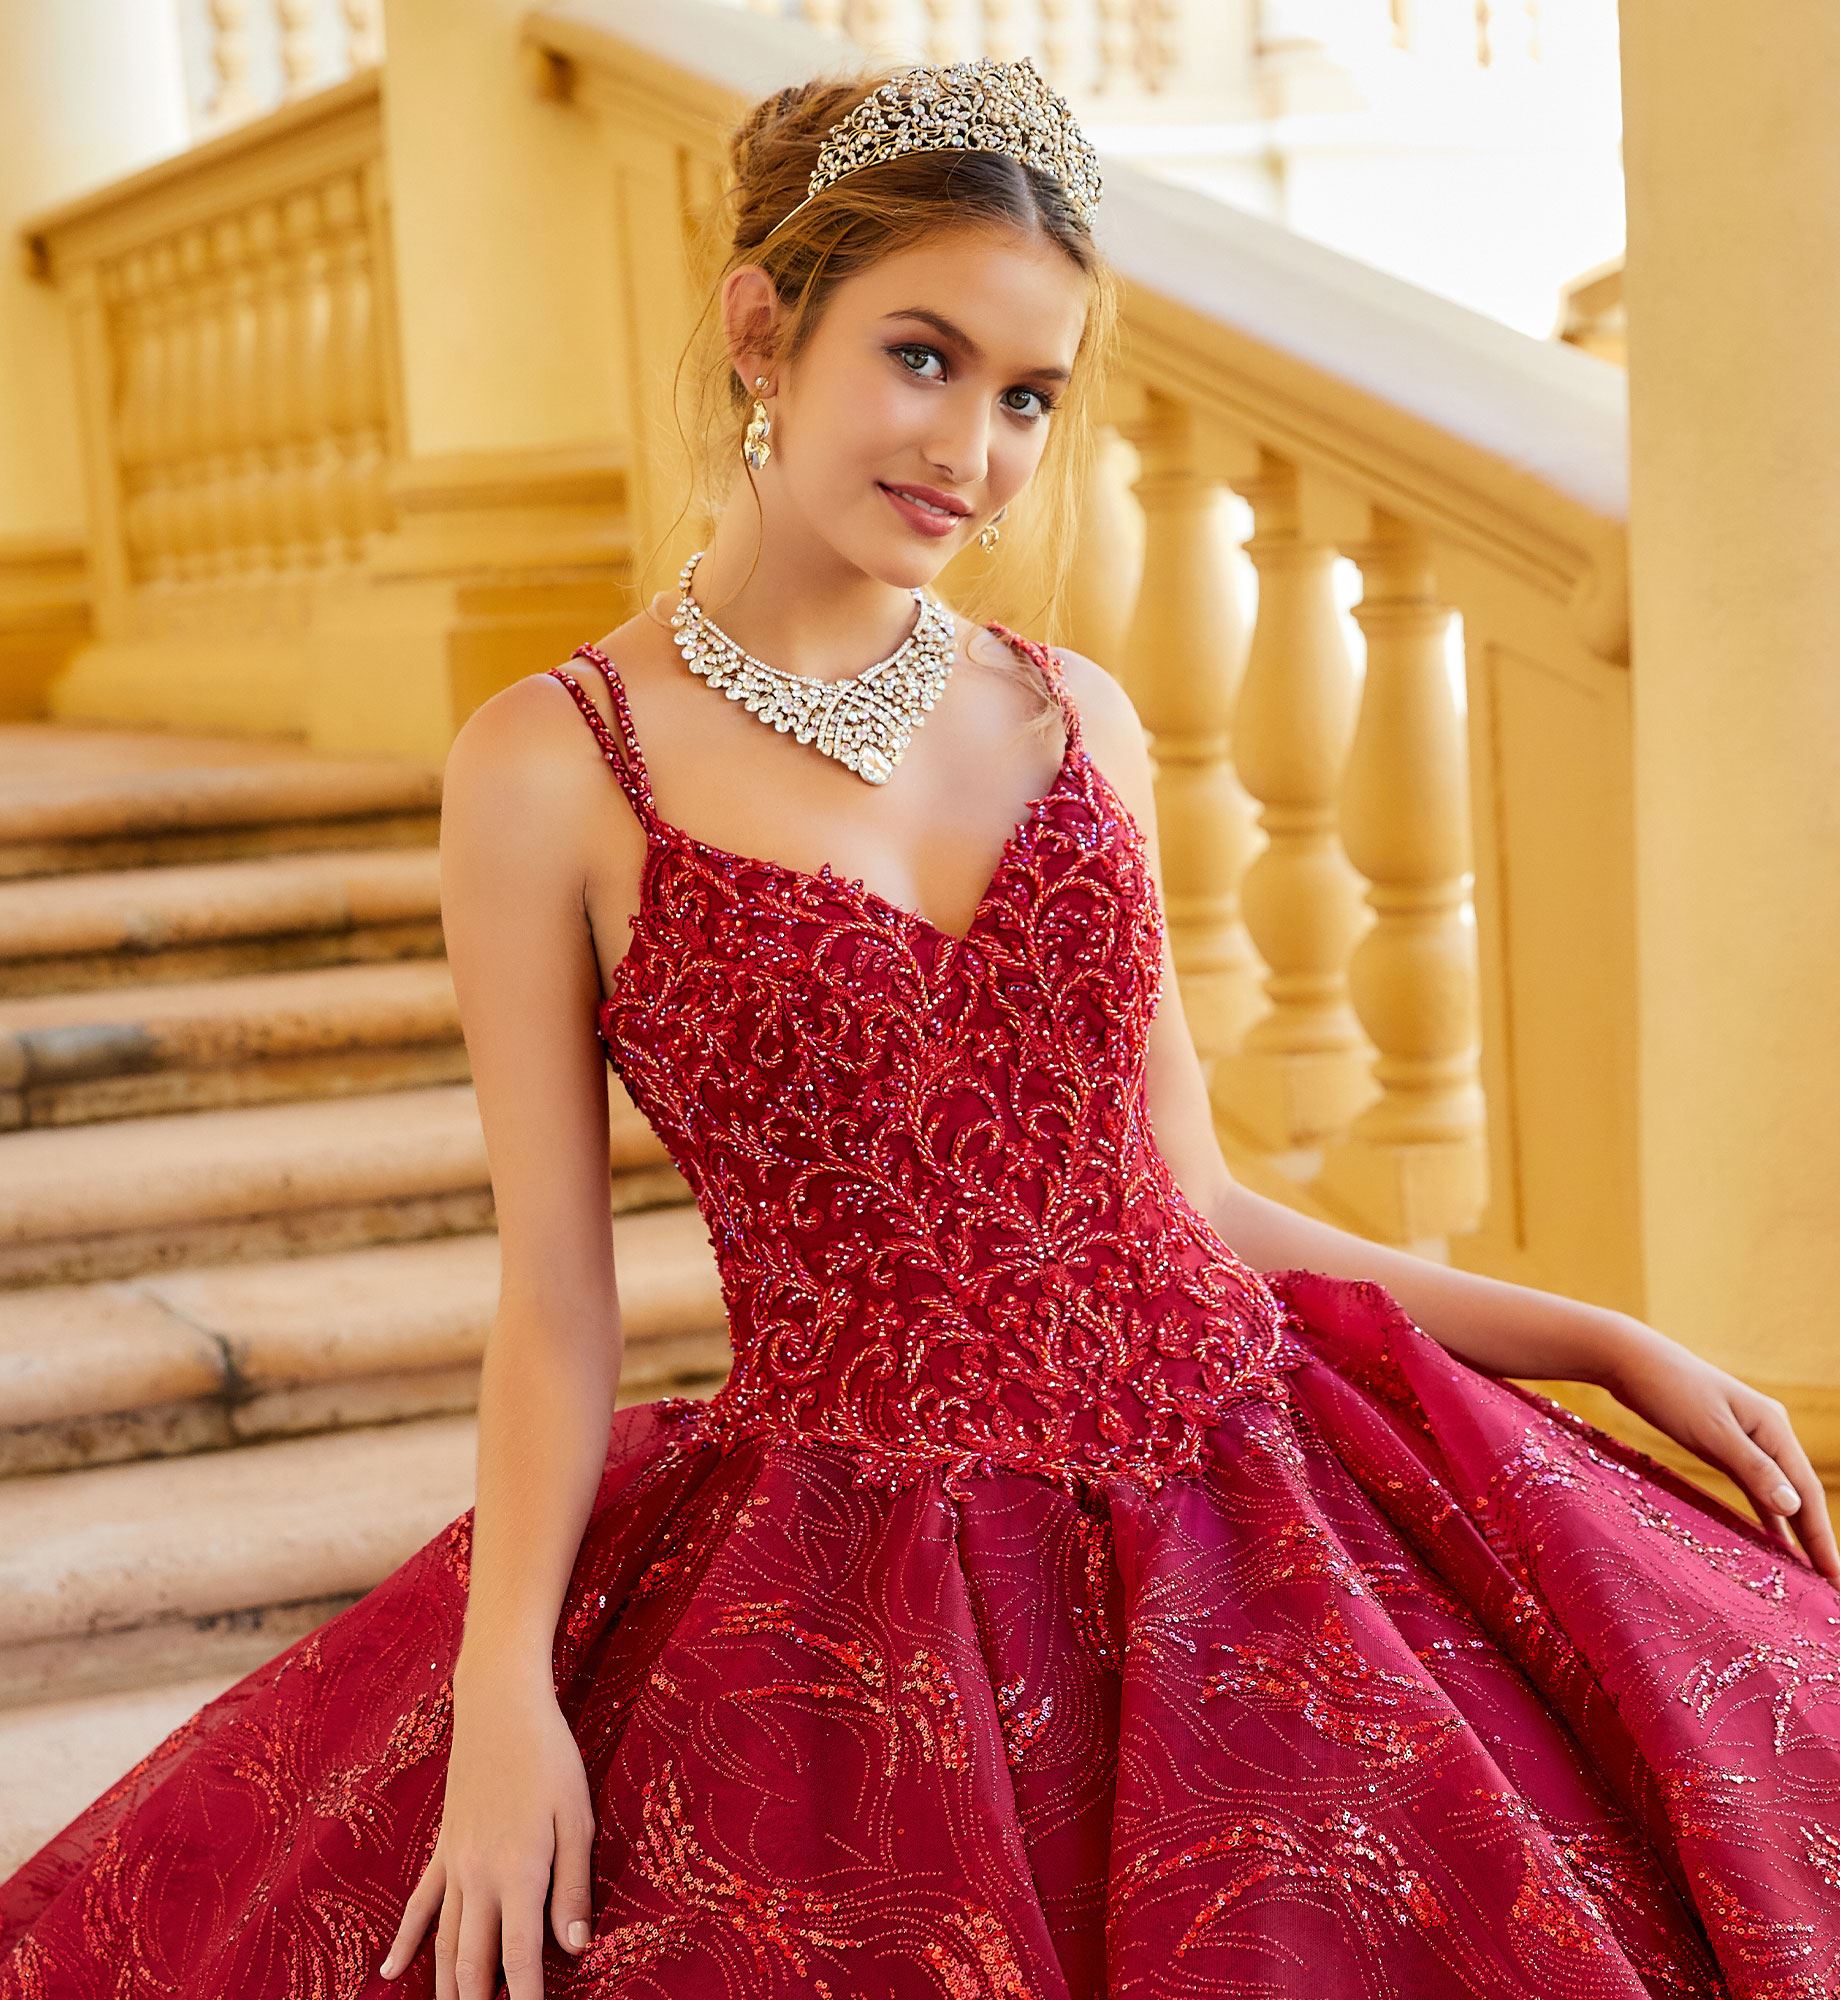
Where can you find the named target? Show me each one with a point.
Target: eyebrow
(958, 333)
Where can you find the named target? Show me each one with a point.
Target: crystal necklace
(865, 722)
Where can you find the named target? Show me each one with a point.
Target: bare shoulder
(1099, 695)
(521, 770)
(512, 737)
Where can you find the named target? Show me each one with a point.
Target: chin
(905, 568)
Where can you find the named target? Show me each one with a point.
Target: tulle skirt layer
(1423, 1688)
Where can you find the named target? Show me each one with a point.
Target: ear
(750, 307)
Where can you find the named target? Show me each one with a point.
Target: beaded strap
(1051, 671)
(621, 751)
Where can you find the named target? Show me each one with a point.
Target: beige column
(511, 498)
(1732, 153)
(507, 314)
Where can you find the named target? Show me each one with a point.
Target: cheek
(867, 418)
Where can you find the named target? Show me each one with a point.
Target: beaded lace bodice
(943, 1225)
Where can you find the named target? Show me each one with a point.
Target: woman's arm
(1507, 1328)
(524, 973)
(517, 1821)
(1492, 1323)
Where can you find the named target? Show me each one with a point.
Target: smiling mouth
(926, 506)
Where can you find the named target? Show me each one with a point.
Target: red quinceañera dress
(1048, 1604)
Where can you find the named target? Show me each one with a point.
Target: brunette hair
(858, 220)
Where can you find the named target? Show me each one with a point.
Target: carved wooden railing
(1400, 897)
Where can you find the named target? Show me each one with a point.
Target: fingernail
(1787, 1499)
(578, 1934)
(387, 1970)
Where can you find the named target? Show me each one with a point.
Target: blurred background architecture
(1466, 530)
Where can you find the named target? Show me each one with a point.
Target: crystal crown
(981, 105)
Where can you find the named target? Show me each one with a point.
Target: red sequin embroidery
(945, 1232)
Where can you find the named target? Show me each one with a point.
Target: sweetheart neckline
(824, 875)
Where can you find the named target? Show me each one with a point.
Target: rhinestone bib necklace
(865, 722)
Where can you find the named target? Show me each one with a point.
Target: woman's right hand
(517, 1820)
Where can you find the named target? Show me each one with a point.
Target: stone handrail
(1400, 895)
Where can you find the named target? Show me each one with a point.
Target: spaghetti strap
(621, 751)
(1052, 672)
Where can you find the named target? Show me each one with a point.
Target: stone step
(120, 1576)
(204, 1359)
(123, 1575)
(84, 1202)
(59, 933)
(78, 798)
(256, 1038)
(58, 1755)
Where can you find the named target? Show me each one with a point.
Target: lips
(925, 497)
(923, 520)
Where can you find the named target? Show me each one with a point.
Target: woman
(1093, 1578)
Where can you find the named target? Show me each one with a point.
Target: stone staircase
(247, 1265)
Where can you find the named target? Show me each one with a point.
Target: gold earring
(991, 534)
(757, 450)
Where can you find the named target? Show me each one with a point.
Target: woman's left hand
(1735, 1427)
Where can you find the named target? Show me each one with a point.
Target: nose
(960, 447)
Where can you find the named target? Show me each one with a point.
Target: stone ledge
(199, 1359)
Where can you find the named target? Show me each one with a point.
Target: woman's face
(936, 368)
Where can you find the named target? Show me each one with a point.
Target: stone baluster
(871, 25)
(350, 378)
(293, 443)
(1114, 44)
(1160, 45)
(189, 388)
(298, 24)
(1058, 49)
(1183, 659)
(232, 95)
(272, 388)
(315, 452)
(1411, 1169)
(363, 33)
(240, 402)
(1509, 32)
(1005, 35)
(211, 444)
(1301, 1071)
(942, 38)
(1105, 576)
(137, 313)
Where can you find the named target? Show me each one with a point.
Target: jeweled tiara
(981, 105)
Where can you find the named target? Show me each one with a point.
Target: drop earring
(757, 448)
(991, 534)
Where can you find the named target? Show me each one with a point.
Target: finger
(423, 1901)
(476, 1963)
(523, 1949)
(1762, 1479)
(570, 1912)
(447, 1945)
(1813, 1522)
